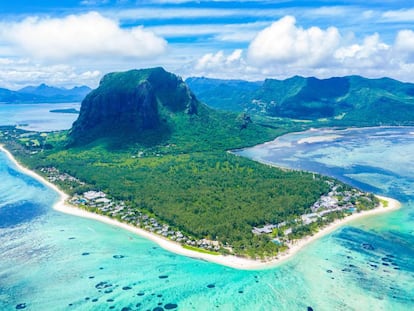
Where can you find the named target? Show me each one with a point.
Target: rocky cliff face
(132, 102)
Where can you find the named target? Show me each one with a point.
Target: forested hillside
(351, 100)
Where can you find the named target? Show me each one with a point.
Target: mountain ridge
(343, 99)
(44, 94)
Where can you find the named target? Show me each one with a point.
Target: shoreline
(174, 247)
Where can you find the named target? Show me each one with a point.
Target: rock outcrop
(130, 103)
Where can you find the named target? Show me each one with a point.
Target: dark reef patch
(21, 306)
(103, 285)
(18, 213)
(367, 246)
(170, 306)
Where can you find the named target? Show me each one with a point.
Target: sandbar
(318, 139)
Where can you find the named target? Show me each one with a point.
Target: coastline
(229, 260)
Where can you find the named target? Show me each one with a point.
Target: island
(67, 110)
(146, 155)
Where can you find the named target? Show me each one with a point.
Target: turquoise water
(53, 261)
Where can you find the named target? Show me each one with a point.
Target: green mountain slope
(351, 100)
(230, 95)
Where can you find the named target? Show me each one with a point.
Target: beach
(230, 260)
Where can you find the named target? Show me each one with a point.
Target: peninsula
(237, 262)
(146, 155)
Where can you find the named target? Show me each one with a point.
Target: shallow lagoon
(52, 261)
(37, 117)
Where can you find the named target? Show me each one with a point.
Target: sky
(75, 42)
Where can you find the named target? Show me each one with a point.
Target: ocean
(37, 117)
(54, 261)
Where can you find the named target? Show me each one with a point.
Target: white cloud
(9, 61)
(220, 65)
(405, 41)
(88, 35)
(191, 13)
(93, 2)
(15, 74)
(372, 52)
(284, 42)
(403, 15)
(404, 46)
(238, 32)
(211, 60)
(284, 49)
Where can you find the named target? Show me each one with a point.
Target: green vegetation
(384, 202)
(200, 250)
(68, 110)
(228, 95)
(345, 101)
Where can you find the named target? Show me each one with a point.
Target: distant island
(145, 152)
(68, 110)
(43, 94)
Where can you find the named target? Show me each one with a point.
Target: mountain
(131, 103)
(151, 106)
(344, 100)
(230, 95)
(44, 94)
(78, 92)
(8, 96)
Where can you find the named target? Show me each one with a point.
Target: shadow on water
(15, 214)
(385, 259)
(30, 181)
(376, 245)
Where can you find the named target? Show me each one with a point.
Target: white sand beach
(229, 261)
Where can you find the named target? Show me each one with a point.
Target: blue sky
(72, 42)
